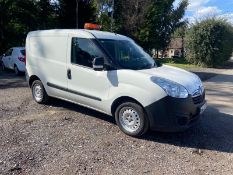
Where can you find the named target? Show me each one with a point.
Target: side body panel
(46, 58)
(20, 65)
(6, 59)
(12, 58)
(104, 87)
(133, 84)
(87, 86)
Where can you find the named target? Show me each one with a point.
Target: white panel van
(110, 73)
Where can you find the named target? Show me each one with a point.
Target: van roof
(85, 33)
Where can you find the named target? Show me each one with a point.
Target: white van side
(46, 55)
(110, 73)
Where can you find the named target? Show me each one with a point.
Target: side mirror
(98, 64)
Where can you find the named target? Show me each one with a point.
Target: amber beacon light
(91, 26)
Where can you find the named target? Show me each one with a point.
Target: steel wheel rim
(37, 92)
(129, 119)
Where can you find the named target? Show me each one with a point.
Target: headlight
(171, 88)
(201, 86)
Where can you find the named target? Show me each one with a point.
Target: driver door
(85, 85)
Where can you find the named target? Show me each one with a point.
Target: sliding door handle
(69, 74)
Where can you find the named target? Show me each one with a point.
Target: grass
(177, 62)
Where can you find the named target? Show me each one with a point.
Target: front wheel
(131, 119)
(38, 92)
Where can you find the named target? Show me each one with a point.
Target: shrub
(209, 43)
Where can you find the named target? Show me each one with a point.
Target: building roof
(176, 43)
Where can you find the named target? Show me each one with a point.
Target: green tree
(130, 16)
(209, 42)
(162, 20)
(150, 22)
(46, 14)
(4, 16)
(67, 13)
(17, 19)
(104, 13)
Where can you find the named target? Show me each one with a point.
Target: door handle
(69, 74)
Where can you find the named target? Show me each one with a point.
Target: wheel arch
(32, 79)
(120, 100)
(15, 65)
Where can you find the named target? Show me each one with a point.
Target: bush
(209, 43)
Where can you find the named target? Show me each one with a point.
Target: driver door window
(84, 51)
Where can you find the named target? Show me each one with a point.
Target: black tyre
(17, 72)
(38, 92)
(3, 66)
(131, 119)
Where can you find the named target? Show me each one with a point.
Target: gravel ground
(64, 138)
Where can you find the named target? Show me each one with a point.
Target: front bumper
(175, 114)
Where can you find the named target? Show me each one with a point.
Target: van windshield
(128, 54)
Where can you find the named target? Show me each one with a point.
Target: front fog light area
(171, 88)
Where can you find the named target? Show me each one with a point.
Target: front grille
(199, 99)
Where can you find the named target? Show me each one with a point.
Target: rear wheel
(131, 119)
(3, 66)
(17, 72)
(38, 92)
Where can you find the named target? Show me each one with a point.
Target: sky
(199, 9)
